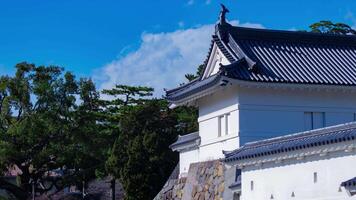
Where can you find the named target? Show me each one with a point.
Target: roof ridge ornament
(222, 16)
(221, 28)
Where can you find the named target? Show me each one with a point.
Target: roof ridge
(292, 142)
(287, 35)
(344, 126)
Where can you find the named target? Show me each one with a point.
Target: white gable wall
(215, 59)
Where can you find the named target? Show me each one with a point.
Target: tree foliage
(200, 70)
(325, 26)
(43, 128)
(146, 128)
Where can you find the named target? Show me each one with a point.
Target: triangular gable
(215, 58)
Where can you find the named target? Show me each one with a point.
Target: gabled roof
(296, 57)
(294, 142)
(186, 141)
(261, 55)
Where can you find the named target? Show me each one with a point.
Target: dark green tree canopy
(325, 26)
(49, 120)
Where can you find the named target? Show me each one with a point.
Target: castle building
(259, 84)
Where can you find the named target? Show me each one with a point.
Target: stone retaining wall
(205, 181)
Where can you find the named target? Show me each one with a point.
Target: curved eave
(186, 146)
(199, 89)
(186, 142)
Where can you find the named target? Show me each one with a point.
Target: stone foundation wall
(205, 181)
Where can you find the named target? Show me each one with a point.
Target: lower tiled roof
(348, 183)
(185, 139)
(293, 142)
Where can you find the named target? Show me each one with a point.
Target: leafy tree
(42, 127)
(199, 73)
(333, 28)
(125, 98)
(145, 128)
(150, 128)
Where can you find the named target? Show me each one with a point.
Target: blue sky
(139, 42)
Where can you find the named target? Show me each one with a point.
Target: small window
(227, 119)
(238, 175)
(252, 186)
(293, 194)
(315, 177)
(221, 125)
(313, 120)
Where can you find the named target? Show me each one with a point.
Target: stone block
(202, 196)
(220, 170)
(194, 191)
(221, 188)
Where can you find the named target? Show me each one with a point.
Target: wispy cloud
(190, 2)
(161, 60)
(181, 24)
(350, 16)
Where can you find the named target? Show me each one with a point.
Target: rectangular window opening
(221, 125)
(314, 120)
(238, 175)
(227, 119)
(252, 186)
(315, 177)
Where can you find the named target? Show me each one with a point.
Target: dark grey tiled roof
(185, 139)
(296, 57)
(282, 57)
(348, 183)
(308, 139)
(235, 184)
(193, 87)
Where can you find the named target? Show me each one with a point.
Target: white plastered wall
(281, 180)
(266, 112)
(187, 157)
(210, 109)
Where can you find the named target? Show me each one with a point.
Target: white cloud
(162, 59)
